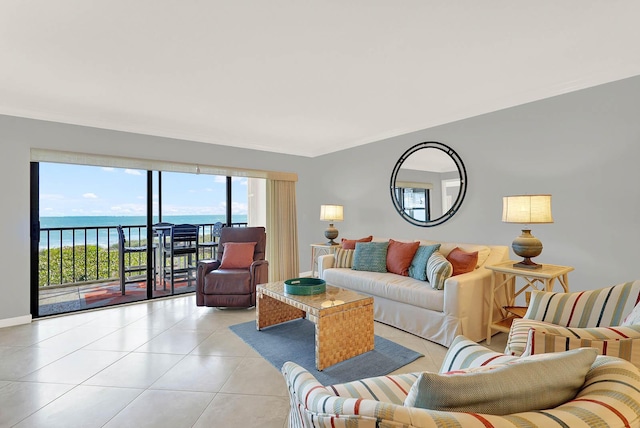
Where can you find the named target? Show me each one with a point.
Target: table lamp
(331, 213)
(527, 209)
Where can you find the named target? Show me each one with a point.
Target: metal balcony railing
(77, 255)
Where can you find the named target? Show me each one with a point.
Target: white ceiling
(302, 77)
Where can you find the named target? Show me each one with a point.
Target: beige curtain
(282, 230)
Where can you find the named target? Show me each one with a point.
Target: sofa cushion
(532, 383)
(418, 267)
(540, 341)
(438, 270)
(400, 255)
(393, 287)
(344, 258)
(601, 307)
(350, 244)
(370, 256)
(237, 255)
(462, 261)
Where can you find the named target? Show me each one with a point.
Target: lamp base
(527, 246)
(527, 264)
(331, 233)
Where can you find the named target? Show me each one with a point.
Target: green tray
(305, 286)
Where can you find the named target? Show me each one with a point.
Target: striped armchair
(610, 397)
(594, 318)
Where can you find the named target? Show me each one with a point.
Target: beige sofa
(461, 308)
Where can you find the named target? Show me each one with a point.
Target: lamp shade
(527, 209)
(331, 213)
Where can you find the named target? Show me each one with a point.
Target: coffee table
(344, 327)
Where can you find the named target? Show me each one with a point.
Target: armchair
(595, 318)
(220, 286)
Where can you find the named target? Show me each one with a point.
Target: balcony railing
(77, 255)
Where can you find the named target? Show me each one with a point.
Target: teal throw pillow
(418, 268)
(370, 256)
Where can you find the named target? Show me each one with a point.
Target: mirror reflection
(428, 184)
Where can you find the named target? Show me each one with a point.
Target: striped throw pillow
(438, 270)
(344, 258)
(542, 342)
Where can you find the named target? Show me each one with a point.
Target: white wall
(583, 148)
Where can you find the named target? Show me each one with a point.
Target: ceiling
(302, 77)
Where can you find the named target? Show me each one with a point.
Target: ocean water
(101, 229)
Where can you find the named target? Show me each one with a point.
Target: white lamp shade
(331, 213)
(527, 209)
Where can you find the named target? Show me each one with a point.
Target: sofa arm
(325, 261)
(466, 298)
(519, 338)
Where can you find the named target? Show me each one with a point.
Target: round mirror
(428, 184)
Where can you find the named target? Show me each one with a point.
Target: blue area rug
(295, 341)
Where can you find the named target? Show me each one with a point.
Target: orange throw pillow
(350, 244)
(237, 255)
(462, 261)
(400, 255)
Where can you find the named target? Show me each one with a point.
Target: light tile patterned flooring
(164, 363)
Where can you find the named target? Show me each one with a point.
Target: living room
(581, 146)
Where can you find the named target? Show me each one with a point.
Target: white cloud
(132, 172)
(220, 179)
(243, 181)
(108, 169)
(51, 197)
(90, 196)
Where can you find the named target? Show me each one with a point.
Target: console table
(504, 274)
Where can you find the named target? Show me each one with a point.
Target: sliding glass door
(90, 244)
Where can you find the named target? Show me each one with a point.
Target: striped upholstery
(592, 310)
(603, 307)
(344, 258)
(464, 354)
(540, 341)
(519, 333)
(610, 397)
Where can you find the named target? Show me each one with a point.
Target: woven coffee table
(343, 330)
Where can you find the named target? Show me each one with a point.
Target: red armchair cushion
(237, 255)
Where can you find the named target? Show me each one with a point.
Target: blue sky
(79, 190)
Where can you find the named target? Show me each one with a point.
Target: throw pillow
(237, 255)
(370, 256)
(350, 244)
(543, 342)
(633, 318)
(462, 261)
(399, 256)
(344, 258)
(532, 383)
(418, 268)
(438, 270)
(464, 353)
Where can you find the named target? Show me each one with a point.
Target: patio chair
(123, 250)
(231, 281)
(215, 237)
(182, 242)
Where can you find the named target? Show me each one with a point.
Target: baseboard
(9, 322)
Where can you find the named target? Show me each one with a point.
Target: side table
(504, 274)
(318, 250)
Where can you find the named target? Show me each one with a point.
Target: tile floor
(164, 363)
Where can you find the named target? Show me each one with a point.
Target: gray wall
(583, 148)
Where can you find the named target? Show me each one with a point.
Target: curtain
(282, 230)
